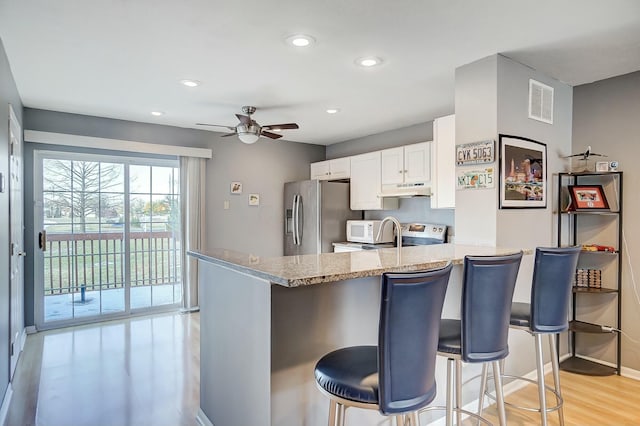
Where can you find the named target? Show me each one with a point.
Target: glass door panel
(113, 236)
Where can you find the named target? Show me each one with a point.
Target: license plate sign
(475, 153)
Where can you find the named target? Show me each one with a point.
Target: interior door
(17, 239)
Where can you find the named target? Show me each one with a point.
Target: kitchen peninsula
(266, 321)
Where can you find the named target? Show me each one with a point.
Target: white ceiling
(125, 58)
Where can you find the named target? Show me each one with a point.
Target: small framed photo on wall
(236, 188)
(254, 199)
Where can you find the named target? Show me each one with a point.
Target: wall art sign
(523, 173)
(475, 153)
(476, 179)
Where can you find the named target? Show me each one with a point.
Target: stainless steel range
(413, 234)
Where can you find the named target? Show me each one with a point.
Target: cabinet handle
(400, 171)
(406, 171)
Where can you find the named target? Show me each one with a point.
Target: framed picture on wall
(523, 173)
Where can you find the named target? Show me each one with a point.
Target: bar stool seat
(350, 373)
(520, 315)
(450, 337)
(396, 377)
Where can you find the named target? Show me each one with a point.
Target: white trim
(114, 144)
(202, 418)
(31, 329)
(630, 373)
(6, 401)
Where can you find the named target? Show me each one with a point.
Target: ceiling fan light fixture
(248, 138)
(368, 61)
(300, 40)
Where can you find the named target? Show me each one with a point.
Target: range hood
(405, 190)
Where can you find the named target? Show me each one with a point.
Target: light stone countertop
(309, 269)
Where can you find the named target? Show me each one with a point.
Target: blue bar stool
(547, 314)
(481, 335)
(397, 377)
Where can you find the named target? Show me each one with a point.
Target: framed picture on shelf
(523, 173)
(587, 197)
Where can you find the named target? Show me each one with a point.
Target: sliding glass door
(109, 236)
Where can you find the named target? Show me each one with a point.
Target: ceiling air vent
(540, 101)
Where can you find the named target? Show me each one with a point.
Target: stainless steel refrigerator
(316, 214)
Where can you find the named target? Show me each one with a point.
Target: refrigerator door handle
(296, 239)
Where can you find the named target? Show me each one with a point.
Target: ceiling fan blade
(281, 126)
(215, 125)
(270, 135)
(228, 134)
(246, 120)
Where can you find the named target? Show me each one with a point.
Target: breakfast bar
(266, 321)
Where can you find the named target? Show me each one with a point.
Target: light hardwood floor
(145, 371)
(139, 371)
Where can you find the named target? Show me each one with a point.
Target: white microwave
(366, 231)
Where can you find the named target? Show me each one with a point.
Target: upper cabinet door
(365, 184)
(417, 162)
(392, 166)
(340, 168)
(443, 186)
(320, 170)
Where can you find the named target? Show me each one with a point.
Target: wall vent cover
(540, 101)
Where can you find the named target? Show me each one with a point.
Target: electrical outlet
(226, 204)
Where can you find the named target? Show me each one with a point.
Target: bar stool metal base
(543, 409)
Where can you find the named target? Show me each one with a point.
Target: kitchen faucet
(398, 230)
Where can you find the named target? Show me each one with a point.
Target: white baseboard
(4, 409)
(202, 418)
(31, 329)
(630, 373)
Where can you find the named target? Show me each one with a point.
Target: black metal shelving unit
(571, 233)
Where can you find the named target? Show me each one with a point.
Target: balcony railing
(95, 261)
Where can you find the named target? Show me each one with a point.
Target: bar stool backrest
(553, 277)
(487, 290)
(410, 312)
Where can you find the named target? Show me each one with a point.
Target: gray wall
(491, 98)
(8, 95)
(262, 168)
(606, 115)
(410, 209)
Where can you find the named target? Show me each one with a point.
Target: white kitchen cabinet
(366, 184)
(406, 164)
(339, 168)
(443, 163)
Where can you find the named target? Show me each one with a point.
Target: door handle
(22, 253)
(42, 240)
(297, 220)
(294, 219)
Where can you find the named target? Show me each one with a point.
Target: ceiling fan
(248, 130)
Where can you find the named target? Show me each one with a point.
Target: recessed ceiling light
(157, 113)
(333, 110)
(300, 40)
(369, 61)
(190, 83)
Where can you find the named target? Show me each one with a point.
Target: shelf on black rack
(593, 290)
(587, 327)
(583, 366)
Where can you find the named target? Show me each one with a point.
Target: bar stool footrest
(465, 412)
(559, 399)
